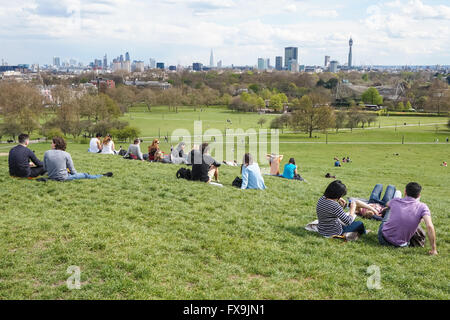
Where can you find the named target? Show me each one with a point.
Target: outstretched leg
(376, 194)
(388, 195)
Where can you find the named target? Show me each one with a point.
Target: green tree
(372, 96)
(261, 121)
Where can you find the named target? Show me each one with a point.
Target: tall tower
(350, 43)
(211, 60)
(105, 62)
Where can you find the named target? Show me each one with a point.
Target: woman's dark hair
(204, 148)
(413, 190)
(60, 143)
(292, 160)
(335, 190)
(98, 135)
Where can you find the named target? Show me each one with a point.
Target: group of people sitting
(57, 163)
(104, 147)
(337, 162)
(290, 169)
(400, 217)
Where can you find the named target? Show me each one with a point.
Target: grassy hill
(143, 234)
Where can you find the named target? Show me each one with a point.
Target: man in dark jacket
(19, 160)
(204, 167)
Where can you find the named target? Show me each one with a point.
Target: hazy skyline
(413, 32)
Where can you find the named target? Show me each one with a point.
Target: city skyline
(401, 32)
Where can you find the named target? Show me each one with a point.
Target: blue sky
(239, 31)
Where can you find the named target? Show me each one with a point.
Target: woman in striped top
(332, 218)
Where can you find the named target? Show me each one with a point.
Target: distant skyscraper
(219, 64)
(105, 62)
(293, 65)
(127, 57)
(121, 58)
(350, 43)
(262, 64)
(290, 53)
(327, 61)
(56, 61)
(268, 63)
(333, 66)
(197, 66)
(279, 63)
(160, 65)
(211, 60)
(152, 63)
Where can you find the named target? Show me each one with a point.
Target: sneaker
(108, 174)
(351, 236)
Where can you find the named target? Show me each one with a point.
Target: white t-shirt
(107, 148)
(93, 147)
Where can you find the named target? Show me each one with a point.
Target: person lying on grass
(290, 170)
(375, 208)
(177, 155)
(251, 174)
(22, 162)
(403, 217)
(204, 167)
(332, 216)
(59, 164)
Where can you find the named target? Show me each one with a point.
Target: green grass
(143, 234)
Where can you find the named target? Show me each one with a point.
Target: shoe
(42, 179)
(351, 236)
(108, 174)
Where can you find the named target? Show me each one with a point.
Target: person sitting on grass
(59, 164)
(134, 151)
(290, 170)
(22, 162)
(108, 146)
(152, 149)
(251, 174)
(95, 146)
(337, 163)
(274, 162)
(177, 155)
(332, 216)
(403, 218)
(204, 167)
(160, 157)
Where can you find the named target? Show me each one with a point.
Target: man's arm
(99, 145)
(34, 159)
(69, 164)
(431, 234)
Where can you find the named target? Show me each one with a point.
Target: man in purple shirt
(403, 218)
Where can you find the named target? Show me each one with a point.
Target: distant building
(327, 61)
(290, 53)
(127, 57)
(57, 62)
(293, 65)
(173, 68)
(267, 63)
(219, 64)
(139, 66)
(197, 66)
(279, 63)
(261, 64)
(211, 60)
(103, 83)
(105, 62)
(350, 55)
(152, 63)
(150, 84)
(334, 66)
(160, 65)
(126, 66)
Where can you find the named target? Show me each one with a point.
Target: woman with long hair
(251, 174)
(108, 145)
(152, 149)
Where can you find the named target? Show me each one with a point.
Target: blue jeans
(355, 226)
(376, 194)
(79, 176)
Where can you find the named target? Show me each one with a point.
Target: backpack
(237, 182)
(418, 239)
(122, 152)
(184, 173)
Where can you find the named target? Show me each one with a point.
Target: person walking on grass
(59, 164)
(403, 218)
(251, 174)
(333, 220)
(22, 162)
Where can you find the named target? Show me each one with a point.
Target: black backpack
(237, 182)
(184, 173)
